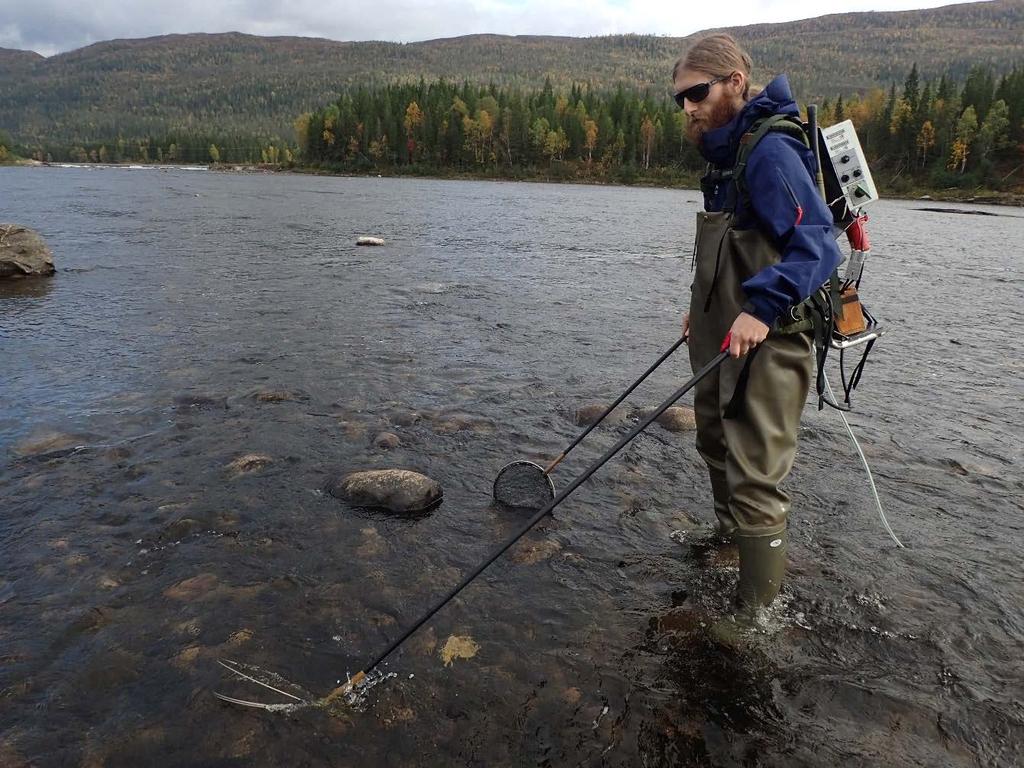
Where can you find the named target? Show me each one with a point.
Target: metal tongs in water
(348, 692)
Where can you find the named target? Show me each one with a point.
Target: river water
(198, 319)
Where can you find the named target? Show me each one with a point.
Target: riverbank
(13, 161)
(662, 179)
(628, 177)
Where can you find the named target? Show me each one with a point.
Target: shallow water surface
(215, 350)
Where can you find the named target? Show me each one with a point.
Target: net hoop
(523, 484)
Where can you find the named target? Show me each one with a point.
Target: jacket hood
(719, 146)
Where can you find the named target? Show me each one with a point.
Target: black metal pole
(721, 357)
(612, 407)
(812, 126)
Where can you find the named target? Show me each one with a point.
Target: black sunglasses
(697, 93)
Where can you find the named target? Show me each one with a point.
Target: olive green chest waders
(750, 450)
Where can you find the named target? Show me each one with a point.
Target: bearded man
(764, 245)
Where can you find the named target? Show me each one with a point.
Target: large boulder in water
(23, 253)
(396, 490)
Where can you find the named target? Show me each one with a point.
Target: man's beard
(721, 113)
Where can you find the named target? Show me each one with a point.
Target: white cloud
(48, 26)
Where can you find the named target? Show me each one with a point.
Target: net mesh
(523, 484)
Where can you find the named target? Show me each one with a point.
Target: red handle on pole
(857, 234)
(727, 342)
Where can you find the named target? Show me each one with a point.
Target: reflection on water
(214, 352)
(31, 288)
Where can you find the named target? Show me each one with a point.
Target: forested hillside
(243, 92)
(929, 133)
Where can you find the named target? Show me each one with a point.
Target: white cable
(871, 479)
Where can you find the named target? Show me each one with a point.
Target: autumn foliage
(939, 133)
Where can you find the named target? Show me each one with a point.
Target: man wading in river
(763, 245)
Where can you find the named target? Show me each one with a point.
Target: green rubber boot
(762, 567)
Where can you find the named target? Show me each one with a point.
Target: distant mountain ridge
(10, 57)
(243, 84)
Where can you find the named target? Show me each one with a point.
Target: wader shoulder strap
(787, 124)
(736, 189)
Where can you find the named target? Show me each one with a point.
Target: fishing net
(523, 484)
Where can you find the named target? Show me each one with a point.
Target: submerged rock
(193, 588)
(572, 696)
(201, 402)
(280, 396)
(46, 443)
(424, 642)
(93, 620)
(251, 462)
(187, 657)
(387, 441)
(677, 418)
(236, 639)
(454, 423)
(182, 527)
(403, 418)
(589, 414)
(530, 551)
(373, 544)
(108, 671)
(354, 430)
(366, 240)
(23, 253)
(396, 490)
(967, 467)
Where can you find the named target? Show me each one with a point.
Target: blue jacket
(780, 183)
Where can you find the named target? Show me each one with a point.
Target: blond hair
(718, 56)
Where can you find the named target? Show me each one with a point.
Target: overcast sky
(52, 26)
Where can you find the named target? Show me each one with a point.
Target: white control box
(851, 166)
